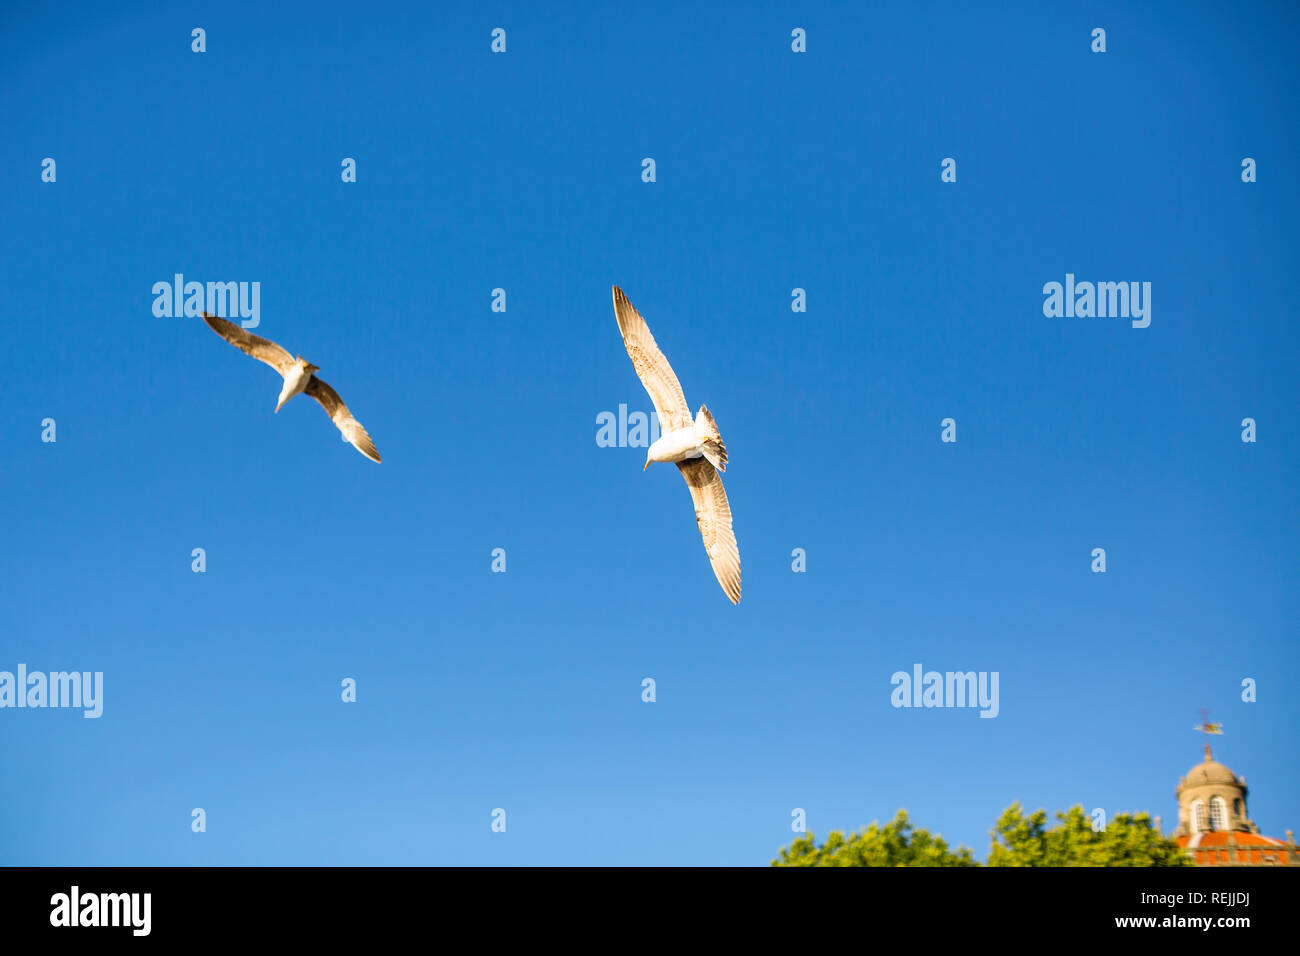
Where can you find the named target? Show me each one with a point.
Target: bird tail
(714, 450)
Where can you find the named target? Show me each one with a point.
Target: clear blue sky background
(522, 690)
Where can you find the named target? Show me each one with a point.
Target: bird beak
(647, 465)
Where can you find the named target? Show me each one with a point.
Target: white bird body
(698, 440)
(676, 446)
(296, 379)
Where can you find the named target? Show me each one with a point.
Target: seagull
(299, 376)
(694, 444)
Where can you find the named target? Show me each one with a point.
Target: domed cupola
(1212, 798)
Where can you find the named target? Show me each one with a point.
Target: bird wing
(264, 350)
(349, 426)
(713, 515)
(651, 366)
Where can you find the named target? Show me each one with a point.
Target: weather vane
(1207, 728)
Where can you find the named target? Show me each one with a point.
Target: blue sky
(774, 170)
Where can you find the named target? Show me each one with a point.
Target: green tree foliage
(1127, 840)
(1018, 840)
(894, 844)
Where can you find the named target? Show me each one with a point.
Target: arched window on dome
(1236, 808)
(1218, 813)
(1198, 816)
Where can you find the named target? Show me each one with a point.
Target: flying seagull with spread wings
(693, 443)
(299, 376)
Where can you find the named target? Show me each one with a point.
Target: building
(1213, 825)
